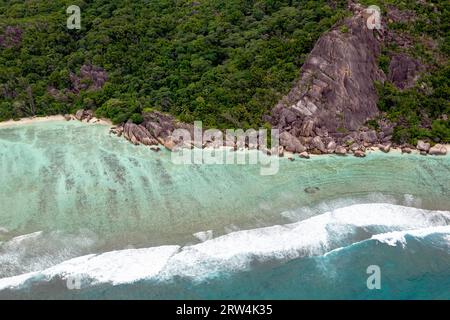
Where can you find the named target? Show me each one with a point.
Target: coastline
(374, 149)
(33, 120)
(107, 122)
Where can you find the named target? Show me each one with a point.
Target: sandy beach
(33, 120)
(287, 154)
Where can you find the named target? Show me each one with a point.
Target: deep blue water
(125, 223)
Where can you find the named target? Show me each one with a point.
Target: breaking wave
(241, 250)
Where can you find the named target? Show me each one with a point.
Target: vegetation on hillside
(421, 112)
(225, 62)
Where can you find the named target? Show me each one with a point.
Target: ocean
(87, 215)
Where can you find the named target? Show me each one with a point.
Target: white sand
(30, 120)
(47, 119)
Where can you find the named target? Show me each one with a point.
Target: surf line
(187, 310)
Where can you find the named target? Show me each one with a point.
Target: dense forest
(224, 62)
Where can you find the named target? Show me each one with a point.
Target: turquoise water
(69, 189)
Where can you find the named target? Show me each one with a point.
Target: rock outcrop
(328, 108)
(335, 94)
(291, 143)
(385, 147)
(359, 154)
(406, 150)
(423, 146)
(138, 134)
(84, 115)
(404, 71)
(304, 155)
(341, 151)
(438, 150)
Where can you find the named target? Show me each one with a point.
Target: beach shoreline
(33, 120)
(106, 122)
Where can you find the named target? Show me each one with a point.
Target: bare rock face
(156, 129)
(138, 134)
(84, 115)
(117, 130)
(368, 136)
(307, 128)
(423, 146)
(304, 155)
(385, 147)
(281, 151)
(79, 114)
(170, 144)
(331, 147)
(359, 154)
(438, 150)
(291, 143)
(404, 71)
(341, 151)
(406, 150)
(354, 147)
(336, 90)
(159, 124)
(318, 144)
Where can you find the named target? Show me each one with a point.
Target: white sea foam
(237, 250)
(204, 235)
(26, 237)
(40, 250)
(396, 238)
(411, 201)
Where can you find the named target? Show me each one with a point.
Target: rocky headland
(331, 109)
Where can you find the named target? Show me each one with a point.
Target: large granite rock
(138, 134)
(304, 155)
(423, 146)
(336, 88)
(318, 144)
(438, 150)
(369, 136)
(84, 115)
(385, 147)
(404, 71)
(291, 143)
(359, 154)
(79, 114)
(341, 151)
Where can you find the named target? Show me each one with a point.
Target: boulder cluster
(335, 94)
(333, 106)
(425, 148)
(331, 109)
(82, 115)
(157, 128)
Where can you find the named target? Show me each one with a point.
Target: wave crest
(238, 250)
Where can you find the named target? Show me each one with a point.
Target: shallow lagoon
(75, 190)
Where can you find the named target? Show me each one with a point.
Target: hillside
(361, 88)
(224, 62)
(229, 63)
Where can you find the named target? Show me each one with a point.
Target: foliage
(421, 112)
(137, 118)
(117, 110)
(223, 62)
